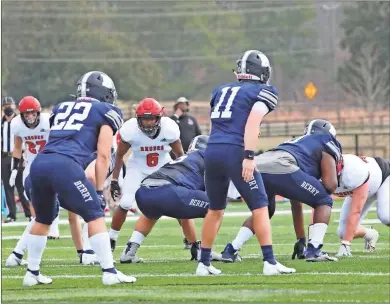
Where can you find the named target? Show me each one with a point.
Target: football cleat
(313, 254)
(13, 260)
(276, 269)
(31, 279)
(116, 278)
(370, 240)
(204, 270)
(230, 255)
(9, 220)
(89, 259)
(129, 254)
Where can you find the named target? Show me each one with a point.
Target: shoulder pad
(268, 95)
(354, 174)
(170, 129)
(16, 123)
(128, 130)
(113, 116)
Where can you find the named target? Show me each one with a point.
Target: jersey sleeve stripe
(113, 121)
(268, 98)
(115, 116)
(269, 92)
(335, 149)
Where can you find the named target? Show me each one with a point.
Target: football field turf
(167, 275)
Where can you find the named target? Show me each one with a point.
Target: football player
(32, 128)
(237, 110)
(176, 190)
(151, 137)
(78, 128)
(293, 170)
(363, 181)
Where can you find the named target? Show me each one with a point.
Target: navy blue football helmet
(198, 143)
(253, 65)
(97, 85)
(320, 126)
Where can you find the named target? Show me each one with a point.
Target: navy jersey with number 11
(231, 105)
(76, 125)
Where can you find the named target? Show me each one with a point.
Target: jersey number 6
(226, 113)
(68, 118)
(152, 159)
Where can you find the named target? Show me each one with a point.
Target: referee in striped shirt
(7, 146)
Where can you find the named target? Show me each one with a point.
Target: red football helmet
(27, 106)
(148, 114)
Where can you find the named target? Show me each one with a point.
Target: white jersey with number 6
(33, 139)
(148, 155)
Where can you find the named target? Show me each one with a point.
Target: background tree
(365, 75)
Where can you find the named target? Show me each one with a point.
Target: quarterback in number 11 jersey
(230, 107)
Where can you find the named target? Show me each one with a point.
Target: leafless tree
(366, 79)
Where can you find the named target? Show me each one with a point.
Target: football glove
(299, 250)
(345, 249)
(102, 200)
(115, 190)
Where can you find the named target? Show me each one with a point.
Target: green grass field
(168, 274)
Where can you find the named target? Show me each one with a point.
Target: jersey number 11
(226, 113)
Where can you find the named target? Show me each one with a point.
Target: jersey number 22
(68, 118)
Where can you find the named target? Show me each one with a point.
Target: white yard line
(132, 218)
(379, 245)
(141, 275)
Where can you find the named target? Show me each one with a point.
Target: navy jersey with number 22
(231, 105)
(59, 168)
(75, 127)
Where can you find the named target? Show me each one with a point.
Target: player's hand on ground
(248, 166)
(345, 249)
(13, 177)
(299, 250)
(115, 190)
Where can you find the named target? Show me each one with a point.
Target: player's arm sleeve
(126, 131)
(114, 119)
(269, 96)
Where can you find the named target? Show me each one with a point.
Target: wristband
(16, 162)
(249, 154)
(99, 192)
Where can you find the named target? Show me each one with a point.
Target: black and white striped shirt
(7, 138)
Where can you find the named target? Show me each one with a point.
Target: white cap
(182, 99)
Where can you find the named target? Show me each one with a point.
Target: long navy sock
(268, 254)
(205, 256)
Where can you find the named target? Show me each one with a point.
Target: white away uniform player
(363, 181)
(31, 129)
(151, 138)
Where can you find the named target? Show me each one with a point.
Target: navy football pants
(173, 201)
(223, 162)
(53, 174)
(297, 186)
